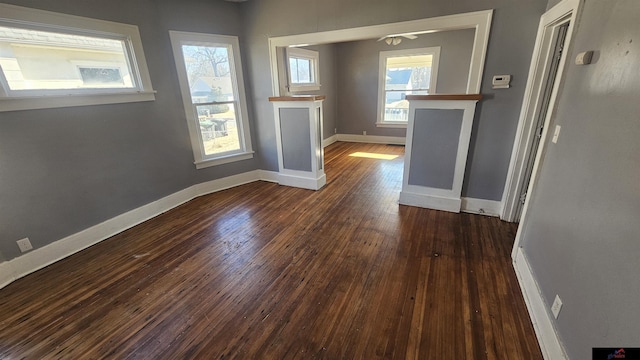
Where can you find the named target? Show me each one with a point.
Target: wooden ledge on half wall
(297, 98)
(476, 97)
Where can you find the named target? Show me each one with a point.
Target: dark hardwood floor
(263, 271)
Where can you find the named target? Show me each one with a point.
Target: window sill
(399, 125)
(224, 160)
(59, 101)
(303, 88)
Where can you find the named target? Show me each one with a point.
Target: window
(404, 72)
(212, 86)
(303, 69)
(55, 60)
(101, 76)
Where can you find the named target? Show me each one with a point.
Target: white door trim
(550, 344)
(563, 12)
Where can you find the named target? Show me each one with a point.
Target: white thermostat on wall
(501, 81)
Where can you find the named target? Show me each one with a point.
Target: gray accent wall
(64, 170)
(358, 76)
(582, 234)
(510, 47)
(436, 135)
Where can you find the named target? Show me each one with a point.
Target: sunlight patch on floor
(373, 155)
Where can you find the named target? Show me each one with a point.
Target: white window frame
(311, 55)
(382, 75)
(27, 18)
(201, 160)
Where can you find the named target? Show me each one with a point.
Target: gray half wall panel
(436, 134)
(296, 144)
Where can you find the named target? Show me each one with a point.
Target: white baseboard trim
(481, 206)
(6, 274)
(41, 257)
(547, 337)
(430, 201)
(225, 183)
(302, 182)
(58, 250)
(373, 139)
(330, 140)
(270, 176)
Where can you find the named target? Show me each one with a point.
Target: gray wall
(552, 3)
(64, 170)
(358, 70)
(582, 234)
(510, 47)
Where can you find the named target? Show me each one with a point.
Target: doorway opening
(545, 77)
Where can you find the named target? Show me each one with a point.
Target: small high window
(303, 69)
(402, 73)
(62, 60)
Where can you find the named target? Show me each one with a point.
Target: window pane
(43, 60)
(405, 75)
(301, 70)
(208, 73)
(293, 70)
(101, 76)
(219, 128)
(408, 73)
(395, 107)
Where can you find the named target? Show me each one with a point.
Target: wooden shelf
(446, 97)
(297, 98)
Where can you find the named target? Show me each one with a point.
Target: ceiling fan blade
(382, 38)
(409, 36)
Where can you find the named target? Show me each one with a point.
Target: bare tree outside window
(206, 61)
(211, 89)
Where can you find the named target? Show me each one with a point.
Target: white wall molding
(290, 178)
(430, 201)
(481, 206)
(547, 336)
(41, 257)
(330, 140)
(225, 183)
(270, 176)
(478, 20)
(373, 139)
(6, 274)
(445, 196)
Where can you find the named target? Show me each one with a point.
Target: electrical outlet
(335, 130)
(24, 245)
(364, 133)
(556, 133)
(557, 305)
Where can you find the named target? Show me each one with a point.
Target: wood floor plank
(273, 272)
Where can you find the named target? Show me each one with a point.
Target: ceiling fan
(397, 38)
